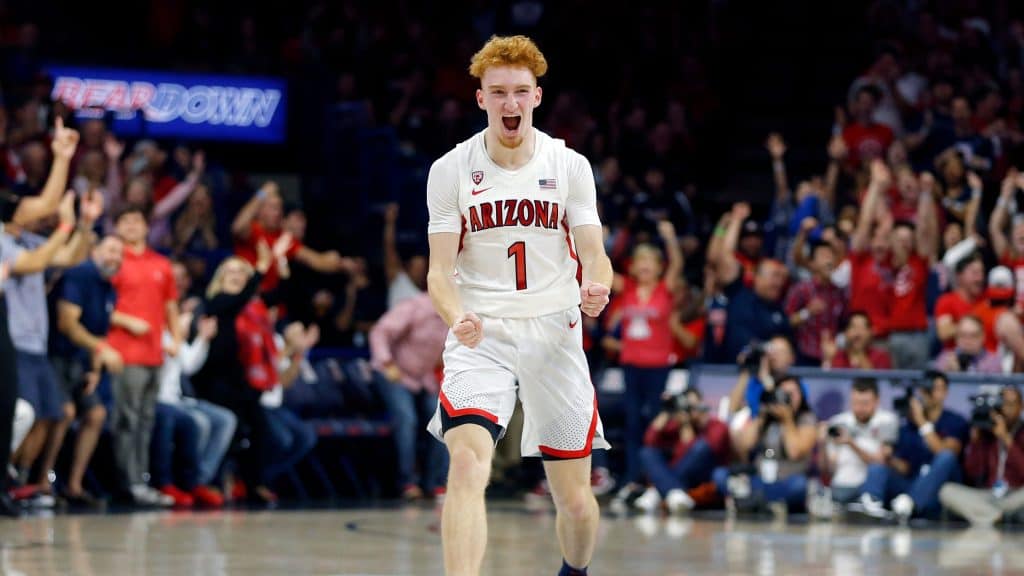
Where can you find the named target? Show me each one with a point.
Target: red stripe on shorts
(585, 451)
(453, 413)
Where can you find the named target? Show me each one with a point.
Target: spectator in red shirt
(859, 351)
(815, 306)
(147, 304)
(870, 270)
(645, 304)
(682, 446)
(262, 218)
(1004, 333)
(913, 251)
(968, 288)
(1010, 250)
(865, 139)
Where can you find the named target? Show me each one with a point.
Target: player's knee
(467, 469)
(578, 505)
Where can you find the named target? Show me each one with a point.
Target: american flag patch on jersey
(547, 184)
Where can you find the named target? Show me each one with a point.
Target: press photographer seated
(761, 365)
(856, 439)
(778, 444)
(682, 446)
(926, 455)
(993, 462)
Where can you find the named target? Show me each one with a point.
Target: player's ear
(537, 96)
(480, 98)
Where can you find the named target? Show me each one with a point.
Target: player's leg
(464, 516)
(577, 513)
(562, 425)
(474, 405)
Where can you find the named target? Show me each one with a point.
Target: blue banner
(151, 104)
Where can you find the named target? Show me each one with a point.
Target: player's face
(508, 95)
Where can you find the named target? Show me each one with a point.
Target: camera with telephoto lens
(751, 355)
(982, 407)
(901, 404)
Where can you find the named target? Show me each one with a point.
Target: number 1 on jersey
(519, 251)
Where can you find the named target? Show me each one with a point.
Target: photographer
(970, 354)
(993, 462)
(856, 439)
(682, 446)
(926, 455)
(778, 443)
(770, 361)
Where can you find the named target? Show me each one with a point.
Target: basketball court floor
(406, 541)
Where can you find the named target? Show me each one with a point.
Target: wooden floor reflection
(405, 541)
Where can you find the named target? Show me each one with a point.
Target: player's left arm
(588, 236)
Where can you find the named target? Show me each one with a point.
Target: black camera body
(835, 431)
(901, 404)
(675, 403)
(751, 355)
(982, 407)
(776, 396)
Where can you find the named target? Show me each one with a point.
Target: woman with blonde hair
(222, 379)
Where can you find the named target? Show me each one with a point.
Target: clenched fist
(593, 298)
(468, 329)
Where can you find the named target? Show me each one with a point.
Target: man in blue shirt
(84, 308)
(926, 456)
(755, 312)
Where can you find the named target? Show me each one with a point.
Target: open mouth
(511, 123)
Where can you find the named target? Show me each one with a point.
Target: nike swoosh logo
(573, 324)
(481, 191)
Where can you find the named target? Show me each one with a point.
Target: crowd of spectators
(179, 318)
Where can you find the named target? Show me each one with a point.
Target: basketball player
(516, 255)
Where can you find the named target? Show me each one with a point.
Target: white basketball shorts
(544, 355)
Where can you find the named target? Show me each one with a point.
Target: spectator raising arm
(242, 225)
(392, 261)
(675, 256)
(1000, 215)
(726, 264)
(777, 149)
(329, 262)
(927, 228)
(77, 248)
(33, 261)
(177, 196)
(65, 141)
(836, 154)
(880, 179)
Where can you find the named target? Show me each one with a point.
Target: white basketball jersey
(517, 257)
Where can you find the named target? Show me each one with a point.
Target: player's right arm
(444, 235)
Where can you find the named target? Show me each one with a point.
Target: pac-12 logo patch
(478, 176)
